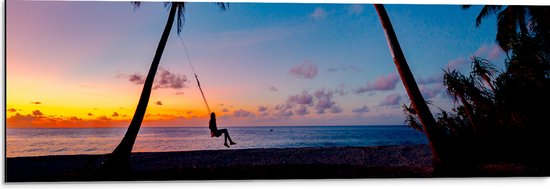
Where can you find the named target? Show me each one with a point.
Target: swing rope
(196, 77)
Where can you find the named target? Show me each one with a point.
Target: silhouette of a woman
(214, 132)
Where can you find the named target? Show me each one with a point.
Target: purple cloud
(323, 101)
(362, 109)
(380, 84)
(302, 99)
(170, 80)
(283, 110)
(437, 78)
(242, 113)
(225, 110)
(273, 89)
(301, 110)
(136, 78)
(428, 92)
(305, 70)
(262, 108)
(391, 100)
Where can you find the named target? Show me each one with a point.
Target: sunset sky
(81, 64)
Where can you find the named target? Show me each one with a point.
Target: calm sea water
(39, 142)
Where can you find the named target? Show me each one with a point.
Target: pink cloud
(319, 13)
(302, 99)
(456, 63)
(362, 109)
(391, 100)
(242, 113)
(495, 52)
(380, 84)
(306, 70)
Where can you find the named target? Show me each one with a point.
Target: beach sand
(274, 163)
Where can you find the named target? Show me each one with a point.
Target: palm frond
(486, 11)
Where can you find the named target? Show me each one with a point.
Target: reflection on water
(39, 142)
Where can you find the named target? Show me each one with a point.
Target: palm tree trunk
(419, 105)
(124, 149)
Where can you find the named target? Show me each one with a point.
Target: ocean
(41, 142)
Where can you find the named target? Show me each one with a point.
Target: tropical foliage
(498, 115)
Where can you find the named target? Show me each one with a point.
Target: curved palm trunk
(124, 149)
(419, 105)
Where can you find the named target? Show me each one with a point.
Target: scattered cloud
(12, 110)
(430, 92)
(90, 114)
(180, 93)
(115, 114)
(136, 78)
(305, 70)
(344, 69)
(436, 78)
(482, 50)
(341, 90)
(242, 113)
(325, 102)
(159, 103)
(319, 14)
(380, 84)
(171, 80)
(225, 110)
(164, 79)
(456, 63)
(37, 113)
(302, 99)
(283, 110)
(273, 89)
(36, 102)
(391, 100)
(301, 110)
(262, 108)
(362, 109)
(495, 52)
(355, 9)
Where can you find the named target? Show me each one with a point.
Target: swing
(196, 77)
(214, 132)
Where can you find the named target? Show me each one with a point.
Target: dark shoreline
(401, 161)
(273, 163)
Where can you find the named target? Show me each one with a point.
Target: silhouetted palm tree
(457, 88)
(529, 20)
(483, 70)
(124, 149)
(418, 103)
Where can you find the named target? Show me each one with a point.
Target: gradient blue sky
(259, 63)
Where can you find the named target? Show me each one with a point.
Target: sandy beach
(274, 163)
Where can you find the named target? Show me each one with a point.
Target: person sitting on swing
(214, 132)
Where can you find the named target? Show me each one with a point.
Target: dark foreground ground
(289, 163)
